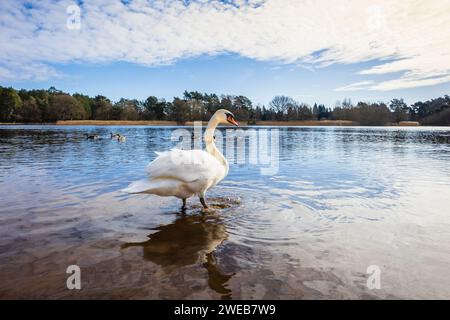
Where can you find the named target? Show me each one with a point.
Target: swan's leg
(202, 200)
(201, 195)
(184, 204)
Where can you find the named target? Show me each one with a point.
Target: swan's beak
(233, 122)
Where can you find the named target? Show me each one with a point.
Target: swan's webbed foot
(202, 200)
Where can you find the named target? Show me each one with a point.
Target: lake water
(340, 201)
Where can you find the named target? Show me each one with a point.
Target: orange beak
(232, 121)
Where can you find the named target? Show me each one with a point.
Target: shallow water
(341, 200)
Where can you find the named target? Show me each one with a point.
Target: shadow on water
(191, 239)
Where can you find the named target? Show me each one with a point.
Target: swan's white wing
(161, 187)
(184, 165)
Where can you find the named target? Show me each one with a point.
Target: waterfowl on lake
(185, 173)
(118, 137)
(92, 136)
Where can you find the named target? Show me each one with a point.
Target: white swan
(185, 173)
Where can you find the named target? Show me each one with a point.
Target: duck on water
(92, 136)
(117, 136)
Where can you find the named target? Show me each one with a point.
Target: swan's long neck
(209, 142)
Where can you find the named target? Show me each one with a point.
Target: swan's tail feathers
(141, 186)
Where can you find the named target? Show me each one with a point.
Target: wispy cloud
(409, 38)
(363, 85)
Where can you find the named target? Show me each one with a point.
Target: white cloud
(363, 85)
(410, 38)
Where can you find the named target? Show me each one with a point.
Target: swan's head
(224, 116)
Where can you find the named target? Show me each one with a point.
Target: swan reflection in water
(191, 239)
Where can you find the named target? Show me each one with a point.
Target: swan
(185, 173)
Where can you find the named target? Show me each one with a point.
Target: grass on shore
(191, 123)
(257, 123)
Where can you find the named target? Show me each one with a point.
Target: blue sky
(224, 74)
(262, 48)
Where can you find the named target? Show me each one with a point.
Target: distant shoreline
(312, 123)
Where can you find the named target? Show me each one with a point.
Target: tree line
(47, 106)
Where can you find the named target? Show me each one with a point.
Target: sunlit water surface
(343, 199)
